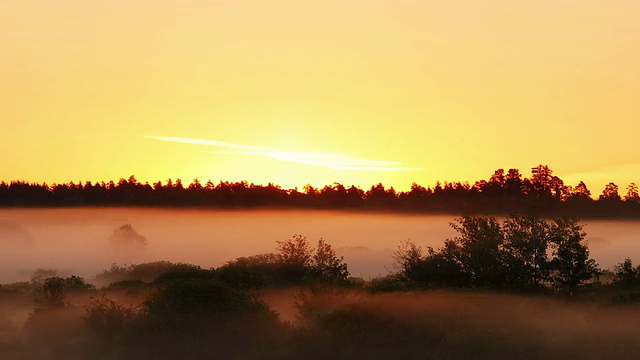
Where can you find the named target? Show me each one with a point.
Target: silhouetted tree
(477, 247)
(610, 192)
(125, 235)
(571, 265)
(581, 190)
(52, 291)
(632, 193)
(625, 273)
(525, 250)
(408, 257)
(327, 266)
(439, 269)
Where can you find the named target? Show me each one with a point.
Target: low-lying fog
(76, 241)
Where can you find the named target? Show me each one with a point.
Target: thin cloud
(207, 142)
(327, 160)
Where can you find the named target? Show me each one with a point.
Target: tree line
(504, 192)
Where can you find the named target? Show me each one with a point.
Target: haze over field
(76, 241)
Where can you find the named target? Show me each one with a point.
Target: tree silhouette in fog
(511, 255)
(295, 262)
(127, 236)
(571, 264)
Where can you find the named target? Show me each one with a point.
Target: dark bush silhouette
(253, 271)
(295, 262)
(52, 291)
(202, 319)
(626, 274)
(107, 318)
(295, 256)
(147, 272)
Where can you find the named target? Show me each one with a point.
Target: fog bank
(76, 240)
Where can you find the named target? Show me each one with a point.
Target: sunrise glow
(297, 92)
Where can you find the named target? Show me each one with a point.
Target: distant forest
(504, 192)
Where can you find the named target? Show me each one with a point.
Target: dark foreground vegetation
(504, 192)
(520, 288)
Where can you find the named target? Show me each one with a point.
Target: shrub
(295, 263)
(626, 274)
(107, 318)
(326, 266)
(147, 272)
(200, 319)
(52, 292)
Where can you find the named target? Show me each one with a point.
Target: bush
(107, 318)
(52, 292)
(626, 274)
(201, 319)
(147, 272)
(295, 263)
(253, 271)
(389, 283)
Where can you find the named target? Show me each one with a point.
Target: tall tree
(525, 248)
(571, 265)
(610, 192)
(632, 193)
(478, 247)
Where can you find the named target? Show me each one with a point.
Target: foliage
(626, 274)
(408, 257)
(525, 251)
(388, 283)
(571, 264)
(147, 272)
(296, 262)
(513, 255)
(252, 271)
(326, 266)
(295, 255)
(52, 291)
(478, 249)
(115, 273)
(125, 235)
(108, 318)
(505, 191)
(200, 319)
(40, 275)
(436, 269)
(152, 270)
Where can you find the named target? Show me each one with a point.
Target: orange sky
(297, 92)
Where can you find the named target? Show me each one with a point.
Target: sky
(296, 92)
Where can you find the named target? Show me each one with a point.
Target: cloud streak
(326, 160)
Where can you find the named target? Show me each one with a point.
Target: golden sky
(296, 92)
